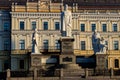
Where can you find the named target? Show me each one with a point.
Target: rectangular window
(104, 27)
(114, 27)
(82, 45)
(21, 25)
(45, 25)
(57, 44)
(45, 44)
(93, 27)
(82, 27)
(116, 47)
(33, 25)
(6, 26)
(21, 64)
(116, 63)
(57, 26)
(6, 45)
(22, 44)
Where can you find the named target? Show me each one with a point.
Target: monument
(99, 48)
(66, 20)
(67, 57)
(35, 48)
(35, 54)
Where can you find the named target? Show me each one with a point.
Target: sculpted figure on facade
(98, 43)
(66, 20)
(103, 46)
(35, 48)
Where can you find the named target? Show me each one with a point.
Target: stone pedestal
(35, 60)
(67, 58)
(101, 61)
(67, 45)
(67, 52)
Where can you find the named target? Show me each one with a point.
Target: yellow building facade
(46, 17)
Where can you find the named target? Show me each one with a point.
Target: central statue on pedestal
(35, 38)
(66, 20)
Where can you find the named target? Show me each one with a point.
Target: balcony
(43, 49)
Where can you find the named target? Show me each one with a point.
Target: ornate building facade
(45, 15)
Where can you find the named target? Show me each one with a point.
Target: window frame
(104, 27)
(83, 45)
(22, 44)
(116, 45)
(93, 27)
(33, 25)
(82, 27)
(114, 27)
(45, 26)
(57, 27)
(22, 25)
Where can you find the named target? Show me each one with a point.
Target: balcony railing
(46, 49)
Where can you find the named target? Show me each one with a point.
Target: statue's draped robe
(67, 22)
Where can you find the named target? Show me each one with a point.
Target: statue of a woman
(96, 41)
(103, 46)
(66, 19)
(35, 38)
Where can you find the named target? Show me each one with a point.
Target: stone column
(99, 26)
(110, 26)
(28, 26)
(35, 72)
(77, 25)
(8, 73)
(110, 43)
(88, 43)
(86, 72)
(111, 72)
(61, 73)
(88, 27)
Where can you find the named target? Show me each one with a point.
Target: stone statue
(35, 38)
(66, 20)
(103, 46)
(96, 41)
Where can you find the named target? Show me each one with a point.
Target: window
(45, 24)
(21, 25)
(45, 44)
(22, 44)
(57, 44)
(33, 25)
(6, 26)
(6, 45)
(116, 63)
(116, 45)
(82, 45)
(21, 64)
(104, 27)
(82, 27)
(114, 27)
(57, 26)
(93, 27)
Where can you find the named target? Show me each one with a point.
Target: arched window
(116, 63)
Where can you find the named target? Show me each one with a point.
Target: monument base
(101, 60)
(35, 60)
(67, 45)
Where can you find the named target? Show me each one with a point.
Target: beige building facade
(46, 17)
